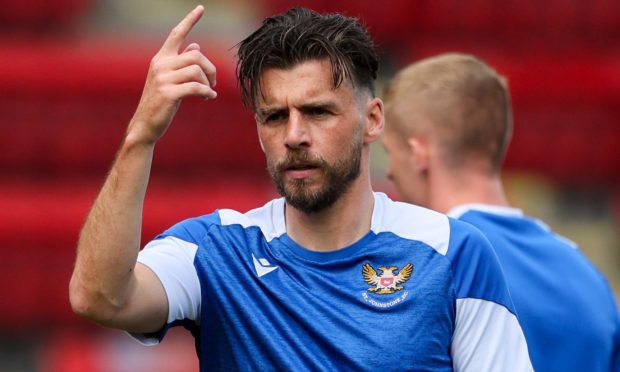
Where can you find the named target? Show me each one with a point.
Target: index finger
(179, 32)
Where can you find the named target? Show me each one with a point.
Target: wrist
(138, 134)
(135, 141)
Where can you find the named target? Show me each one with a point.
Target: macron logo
(262, 266)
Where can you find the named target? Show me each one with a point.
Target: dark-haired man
(449, 122)
(330, 277)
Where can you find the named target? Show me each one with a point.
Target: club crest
(389, 280)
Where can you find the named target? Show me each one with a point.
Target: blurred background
(71, 74)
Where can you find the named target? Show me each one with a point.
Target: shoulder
(267, 218)
(411, 222)
(408, 221)
(471, 252)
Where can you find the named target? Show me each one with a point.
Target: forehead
(309, 80)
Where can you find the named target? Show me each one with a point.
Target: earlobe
(375, 120)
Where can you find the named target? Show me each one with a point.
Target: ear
(420, 153)
(375, 121)
(260, 140)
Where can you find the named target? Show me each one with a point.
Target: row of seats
(42, 14)
(389, 21)
(533, 19)
(65, 107)
(41, 219)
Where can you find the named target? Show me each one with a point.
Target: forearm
(107, 286)
(110, 238)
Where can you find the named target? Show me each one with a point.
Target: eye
(275, 117)
(318, 111)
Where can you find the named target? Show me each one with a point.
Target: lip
(300, 173)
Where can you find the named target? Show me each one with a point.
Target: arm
(107, 285)
(487, 335)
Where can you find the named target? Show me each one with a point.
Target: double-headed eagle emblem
(387, 282)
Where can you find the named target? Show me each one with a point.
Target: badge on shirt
(389, 281)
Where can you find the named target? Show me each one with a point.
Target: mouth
(300, 166)
(300, 170)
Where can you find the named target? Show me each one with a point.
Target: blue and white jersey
(418, 292)
(565, 306)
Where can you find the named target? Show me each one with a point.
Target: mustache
(300, 159)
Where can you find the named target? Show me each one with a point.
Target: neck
(338, 226)
(449, 189)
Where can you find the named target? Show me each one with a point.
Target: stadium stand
(65, 101)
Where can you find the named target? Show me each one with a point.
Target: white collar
(460, 210)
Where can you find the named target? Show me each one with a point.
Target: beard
(337, 178)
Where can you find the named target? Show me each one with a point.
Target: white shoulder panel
(269, 218)
(411, 222)
(488, 337)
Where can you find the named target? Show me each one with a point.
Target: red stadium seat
(64, 108)
(25, 14)
(68, 105)
(41, 221)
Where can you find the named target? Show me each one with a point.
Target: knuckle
(196, 71)
(154, 61)
(195, 88)
(158, 79)
(156, 65)
(167, 93)
(194, 54)
(161, 91)
(175, 32)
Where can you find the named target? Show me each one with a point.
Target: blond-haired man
(448, 124)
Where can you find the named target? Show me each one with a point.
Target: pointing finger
(179, 32)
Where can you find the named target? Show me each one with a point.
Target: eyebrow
(325, 105)
(263, 114)
(306, 107)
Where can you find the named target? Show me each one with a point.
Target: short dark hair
(299, 35)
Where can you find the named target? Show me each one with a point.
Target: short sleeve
(172, 261)
(487, 336)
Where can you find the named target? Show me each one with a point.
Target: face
(311, 133)
(402, 169)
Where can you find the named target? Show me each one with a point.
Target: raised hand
(173, 75)
(107, 285)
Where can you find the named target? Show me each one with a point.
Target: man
(330, 277)
(448, 123)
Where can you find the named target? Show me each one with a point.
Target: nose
(297, 132)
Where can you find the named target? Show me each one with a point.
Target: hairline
(359, 91)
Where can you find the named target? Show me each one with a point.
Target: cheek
(402, 175)
(397, 166)
(267, 139)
